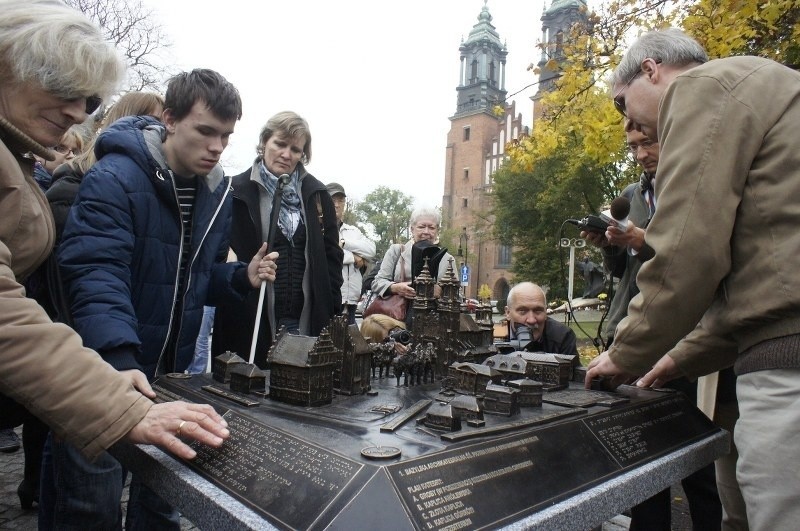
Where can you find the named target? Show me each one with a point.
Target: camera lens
(401, 336)
(523, 333)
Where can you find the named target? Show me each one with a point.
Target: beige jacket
(727, 229)
(43, 365)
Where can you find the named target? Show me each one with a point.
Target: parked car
(472, 305)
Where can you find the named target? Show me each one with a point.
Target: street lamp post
(572, 243)
(463, 250)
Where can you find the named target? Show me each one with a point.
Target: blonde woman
(70, 146)
(67, 177)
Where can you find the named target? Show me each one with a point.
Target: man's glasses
(634, 148)
(619, 100)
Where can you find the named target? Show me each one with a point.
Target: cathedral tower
(557, 22)
(475, 149)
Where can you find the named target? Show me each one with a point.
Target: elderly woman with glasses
(55, 67)
(394, 276)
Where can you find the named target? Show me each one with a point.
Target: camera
(401, 336)
(592, 224)
(524, 337)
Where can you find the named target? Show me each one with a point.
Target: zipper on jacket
(188, 269)
(177, 278)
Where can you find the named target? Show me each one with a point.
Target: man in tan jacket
(727, 248)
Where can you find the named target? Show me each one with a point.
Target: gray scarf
(289, 216)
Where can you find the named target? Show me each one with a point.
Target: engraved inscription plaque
(274, 472)
(497, 482)
(648, 430)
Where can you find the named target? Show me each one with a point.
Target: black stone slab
(303, 468)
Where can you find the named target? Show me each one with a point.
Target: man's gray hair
(669, 46)
(58, 49)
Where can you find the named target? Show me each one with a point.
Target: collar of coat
(22, 142)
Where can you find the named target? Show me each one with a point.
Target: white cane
(259, 311)
(276, 205)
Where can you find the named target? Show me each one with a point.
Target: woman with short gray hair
(55, 69)
(394, 276)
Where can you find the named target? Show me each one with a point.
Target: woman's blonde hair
(76, 137)
(290, 124)
(376, 327)
(129, 104)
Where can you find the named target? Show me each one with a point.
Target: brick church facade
(477, 139)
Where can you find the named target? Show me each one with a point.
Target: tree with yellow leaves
(575, 161)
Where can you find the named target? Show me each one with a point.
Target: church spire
(482, 81)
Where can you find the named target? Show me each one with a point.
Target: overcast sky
(375, 79)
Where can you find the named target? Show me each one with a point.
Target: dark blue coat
(121, 248)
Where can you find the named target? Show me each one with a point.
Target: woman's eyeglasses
(65, 150)
(93, 103)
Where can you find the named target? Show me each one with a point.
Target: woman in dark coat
(307, 288)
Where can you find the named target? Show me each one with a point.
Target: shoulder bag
(394, 305)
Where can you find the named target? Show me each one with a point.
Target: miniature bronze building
(455, 335)
(472, 378)
(553, 370)
(354, 355)
(483, 316)
(222, 365)
(530, 392)
(301, 370)
(501, 400)
(512, 366)
(467, 408)
(248, 378)
(441, 417)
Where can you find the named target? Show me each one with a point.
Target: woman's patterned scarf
(289, 217)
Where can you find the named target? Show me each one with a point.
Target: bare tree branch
(133, 28)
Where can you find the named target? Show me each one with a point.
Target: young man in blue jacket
(144, 249)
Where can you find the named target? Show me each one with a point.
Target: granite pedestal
(556, 467)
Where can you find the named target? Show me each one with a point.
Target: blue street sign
(464, 275)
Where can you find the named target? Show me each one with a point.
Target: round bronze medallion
(380, 452)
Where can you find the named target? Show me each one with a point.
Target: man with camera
(622, 257)
(529, 327)
(621, 247)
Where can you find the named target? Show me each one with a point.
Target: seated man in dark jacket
(527, 306)
(144, 249)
